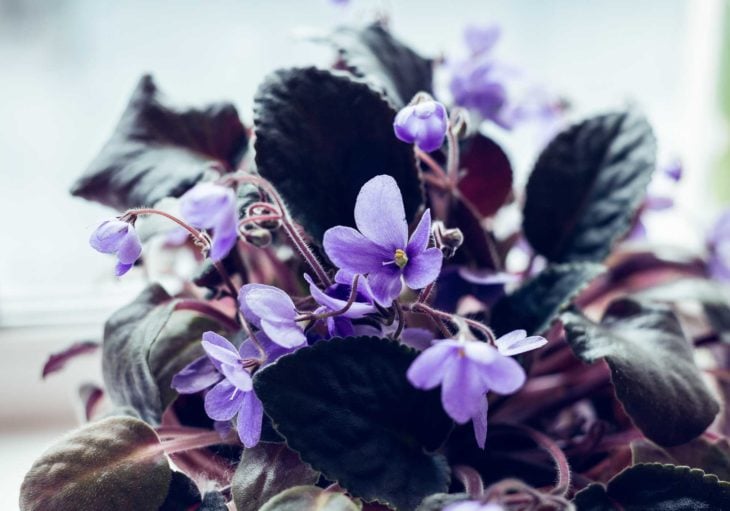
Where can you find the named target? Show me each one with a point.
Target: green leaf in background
(372, 53)
(158, 150)
(712, 457)
(346, 407)
(116, 464)
(145, 344)
(309, 498)
(320, 135)
(652, 368)
(536, 303)
(587, 185)
(657, 487)
(266, 470)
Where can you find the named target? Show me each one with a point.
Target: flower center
(401, 259)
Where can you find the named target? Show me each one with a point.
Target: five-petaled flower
(335, 298)
(117, 237)
(380, 248)
(424, 123)
(211, 206)
(467, 370)
(225, 368)
(270, 309)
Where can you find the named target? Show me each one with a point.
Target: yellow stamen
(401, 259)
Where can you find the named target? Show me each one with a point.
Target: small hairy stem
(401, 319)
(561, 462)
(189, 442)
(431, 163)
(470, 479)
(249, 331)
(452, 163)
(422, 307)
(345, 308)
(226, 279)
(425, 293)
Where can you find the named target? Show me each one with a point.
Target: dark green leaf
(115, 464)
(712, 457)
(145, 344)
(587, 185)
(712, 297)
(266, 470)
(158, 150)
(346, 406)
(374, 54)
(308, 498)
(320, 135)
(182, 494)
(656, 487)
(537, 303)
(652, 368)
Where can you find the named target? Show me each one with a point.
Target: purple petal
(385, 284)
(429, 368)
(273, 351)
(480, 352)
(517, 342)
(223, 401)
(421, 236)
(416, 338)
(206, 204)
(346, 277)
(424, 123)
(219, 349)
(405, 125)
(423, 269)
(225, 236)
(380, 216)
(250, 418)
(479, 422)
(261, 301)
(481, 39)
(286, 334)
(108, 235)
(121, 268)
(196, 376)
(130, 248)
(504, 375)
(58, 360)
(486, 277)
(356, 310)
(340, 326)
(238, 376)
(218, 340)
(350, 250)
(462, 390)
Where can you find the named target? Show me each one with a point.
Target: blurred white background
(67, 68)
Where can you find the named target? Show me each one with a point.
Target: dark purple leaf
(320, 135)
(159, 150)
(488, 180)
(57, 361)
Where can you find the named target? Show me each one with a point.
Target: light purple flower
(719, 244)
(478, 84)
(270, 309)
(480, 39)
(211, 206)
(466, 371)
(335, 298)
(474, 505)
(424, 124)
(231, 395)
(517, 342)
(117, 237)
(380, 248)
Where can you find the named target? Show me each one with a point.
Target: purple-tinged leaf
(91, 397)
(158, 150)
(712, 457)
(652, 368)
(587, 185)
(266, 470)
(57, 361)
(113, 464)
(488, 180)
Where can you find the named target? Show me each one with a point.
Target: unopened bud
(258, 237)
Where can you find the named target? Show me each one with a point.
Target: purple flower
(232, 394)
(211, 206)
(380, 248)
(478, 84)
(335, 298)
(270, 309)
(719, 244)
(473, 505)
(466, 371)
(117, 237)
(481, 39)
(424, 124)
(517, 342)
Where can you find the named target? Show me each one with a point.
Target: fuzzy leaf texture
(652, 368)
(656, 487)
(346, 407)
(587, 185)
(372, 53)
(115, 464)
(266, 470)
(145, 344)
(159, 150)
(712, 457)
(321, 135)
(538, 302)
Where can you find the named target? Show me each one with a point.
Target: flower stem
(345, 308)
(420, 306)
(471, 480)
(401, 319)
(452, 163)
(184, 443)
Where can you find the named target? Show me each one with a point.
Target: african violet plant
(390, 360)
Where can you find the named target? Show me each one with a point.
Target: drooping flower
(272, 310)
(231, 396)
(479, 84)
(211, 206)
(423, 123)
(380, 247)
(718, 243)
(466, 371)
(117, 237)
(335, 297)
